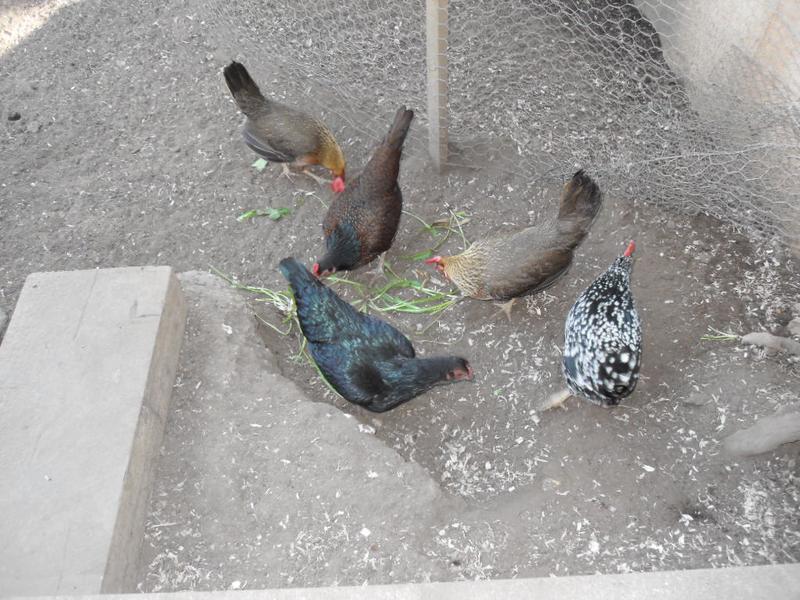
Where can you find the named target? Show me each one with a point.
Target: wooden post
(436, 42)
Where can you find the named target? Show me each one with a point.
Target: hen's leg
(302, 164)
(317, 178)
(505, 307)
(287, 172)
(378, 270)
(555, 400)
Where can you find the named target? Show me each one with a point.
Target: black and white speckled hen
(366, 360)
(603, 337)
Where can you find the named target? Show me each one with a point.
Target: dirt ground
(128, 152)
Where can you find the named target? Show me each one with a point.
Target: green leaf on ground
(259, 164)
(276, 214)
(425, 254)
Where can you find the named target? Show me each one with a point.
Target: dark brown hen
(361, 222)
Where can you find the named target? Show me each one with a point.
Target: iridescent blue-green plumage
(366, 360)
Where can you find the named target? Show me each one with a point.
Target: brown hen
(282, 134)
(530, 260)
(361, 223)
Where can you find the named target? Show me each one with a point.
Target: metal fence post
(436, 43)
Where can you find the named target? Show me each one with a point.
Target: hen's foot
(317, 178)
(505, 308)
(378, 271)
(555, 400)
(286, 172)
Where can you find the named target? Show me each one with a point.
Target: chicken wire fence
(690, 103)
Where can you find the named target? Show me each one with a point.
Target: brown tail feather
(402, 122)
(243, 89)
(580, 202)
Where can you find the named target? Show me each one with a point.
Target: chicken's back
(525, 262)
(343, 342)
(273, 130)
(534, 258)
(289, 132)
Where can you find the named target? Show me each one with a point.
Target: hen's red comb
(630, 249)
(433, 260)
(337, 185)
(315, 269)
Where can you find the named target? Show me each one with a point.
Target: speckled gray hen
(603, 337)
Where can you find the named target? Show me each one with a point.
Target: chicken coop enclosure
(686, 103)
(123, 146)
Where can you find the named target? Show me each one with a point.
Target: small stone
(703, 257)
(33, 127)
(772, 342)
(764, 436)
(550, 484)
(14, 116)
(794, 326)
(594, 545)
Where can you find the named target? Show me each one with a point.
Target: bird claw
(505, 307)
(378, 271)
(555, 400)
(317, 178)
(287, 172)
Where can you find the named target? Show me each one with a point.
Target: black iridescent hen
(369, 362)
(603, 337)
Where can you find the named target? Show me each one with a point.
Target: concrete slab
(87, 366)
(3, 320)
(770, 582)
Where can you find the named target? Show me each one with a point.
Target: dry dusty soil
(127, 152)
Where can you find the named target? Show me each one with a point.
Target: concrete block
(769, 582)
(87, 366)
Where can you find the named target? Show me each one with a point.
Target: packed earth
(121, 146)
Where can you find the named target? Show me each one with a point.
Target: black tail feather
(243, 89)
(400, 126)
(581, 200)
(296, 273)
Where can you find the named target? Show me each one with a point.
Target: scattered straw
(719, 336)
(441, 230)
(387, 298)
